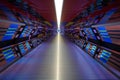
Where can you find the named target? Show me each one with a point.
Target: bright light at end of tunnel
(58, 7)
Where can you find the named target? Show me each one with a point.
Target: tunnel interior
(86, 37)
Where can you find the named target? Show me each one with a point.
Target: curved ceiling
(71, 8)
(45, 8)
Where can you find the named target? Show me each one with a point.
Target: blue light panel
(93, 50)
(89, 33)
(104, 56)
(9, 55)
(21, 47)
(28, 46)
(26, 32)
(104, 34)
(87, 47)
(10, 32)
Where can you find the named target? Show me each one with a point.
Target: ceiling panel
(46, 8)
(72, 8)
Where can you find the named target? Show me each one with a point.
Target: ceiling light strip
(58, 7)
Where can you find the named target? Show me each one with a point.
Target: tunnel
(59, 39)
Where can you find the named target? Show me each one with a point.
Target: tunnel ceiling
(71, 8)
(46, 8)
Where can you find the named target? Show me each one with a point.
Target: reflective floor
(44, 62)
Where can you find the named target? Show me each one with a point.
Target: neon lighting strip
(58, 7)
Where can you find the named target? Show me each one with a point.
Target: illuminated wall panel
(104, 34)
(8, 54)
(10, 32)
(104, 56)
(92, 51)
(28, 45)
(22, 49)
(89, 33)
(26, 32)
(87, 47)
